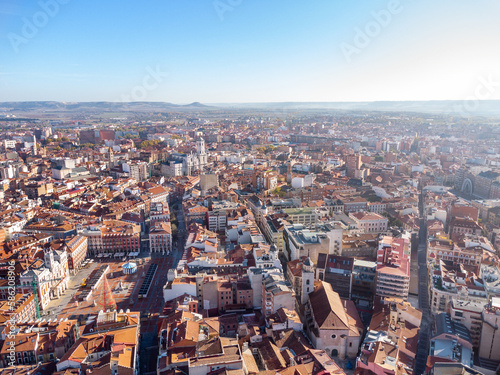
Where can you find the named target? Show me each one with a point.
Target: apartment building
(354, 204)
(39, 341)
(469, 314)
(276, 293)
(301, 241)
(23, 307)
(217, 215)
(159, 211)
(450, 281)
(305, 216)
(363, 284)
(160, 238)
(490, 337)
(393, 268)
(76, 248)
(370, 222)
(110, 346)
(390, 344)
(451, 342)
(337, 271)
(113, 238)
(448, 250)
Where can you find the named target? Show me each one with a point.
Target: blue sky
(248, 50)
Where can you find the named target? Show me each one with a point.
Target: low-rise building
(370, 222)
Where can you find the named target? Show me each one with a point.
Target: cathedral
(185, 164)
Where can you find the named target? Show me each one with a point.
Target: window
(334, 336)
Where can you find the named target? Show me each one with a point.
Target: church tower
(289, 172)
(307, 280)
(200, 146)
(201, 153)
(34, 145)
(111, 155)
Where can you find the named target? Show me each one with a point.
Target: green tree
(279, 192)
(146, 144)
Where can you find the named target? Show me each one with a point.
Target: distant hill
(488, 108)
(50, 106)
(196, 104)
(445, 107)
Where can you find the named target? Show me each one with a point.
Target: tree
(146, 144)
(174, 230)
(279, 192)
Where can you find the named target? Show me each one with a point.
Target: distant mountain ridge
(97, 106)
(457, 107)
(490, 108)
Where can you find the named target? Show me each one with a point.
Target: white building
(52, 279)
(188, 162)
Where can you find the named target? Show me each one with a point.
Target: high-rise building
(393, 268)
(353, 163)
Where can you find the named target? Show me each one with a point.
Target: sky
(243, 51)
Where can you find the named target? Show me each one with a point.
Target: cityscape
(249, 188)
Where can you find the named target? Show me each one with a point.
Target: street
(154, 303)
(423, 342)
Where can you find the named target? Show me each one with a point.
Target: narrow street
(423, 297)
(149, 341)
